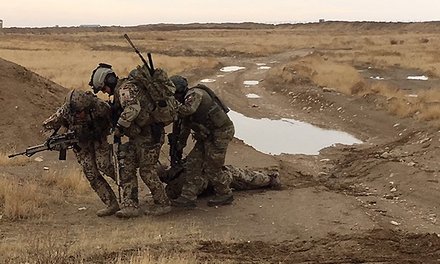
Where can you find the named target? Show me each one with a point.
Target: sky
(47, 13)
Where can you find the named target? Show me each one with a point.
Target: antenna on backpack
(150, 65)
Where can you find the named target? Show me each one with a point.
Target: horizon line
(273, 23)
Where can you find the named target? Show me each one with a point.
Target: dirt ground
(375, 202)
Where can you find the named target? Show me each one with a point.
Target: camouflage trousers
(143, 154)
(204, 164)
(241, 179)
(95, 156)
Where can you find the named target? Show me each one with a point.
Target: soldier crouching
(89, 118)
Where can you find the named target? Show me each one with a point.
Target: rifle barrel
(16, 154)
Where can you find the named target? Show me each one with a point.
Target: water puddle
(419, 78)
(251, 83)
(252, 96)
(377, 78)
(207, 80)
(232, 68)
(286, 135)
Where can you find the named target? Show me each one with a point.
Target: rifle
(173, 142)
(150, 66)
(59, 143)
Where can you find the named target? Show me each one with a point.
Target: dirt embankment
(26, 99)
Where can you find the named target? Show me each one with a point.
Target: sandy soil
(375, 202)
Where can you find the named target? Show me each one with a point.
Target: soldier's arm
(128, 95)
(192, 102)
(58, 119)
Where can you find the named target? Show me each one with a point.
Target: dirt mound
(26, 100)
(377, 246)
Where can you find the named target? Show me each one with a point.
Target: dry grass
(27, 199)
(69, 181)
(20, 200)
(113, 243)
(5, 161)
(147, 257)
(70, 65)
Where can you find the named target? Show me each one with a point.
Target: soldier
(145, 138)
(203, 113)
(241, 179)
(89, 118)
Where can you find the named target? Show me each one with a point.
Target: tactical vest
(211, 112)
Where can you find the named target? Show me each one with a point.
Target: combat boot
(157, 210)
(183, 202)
(110, 210)
(219, 200)
(128, 212)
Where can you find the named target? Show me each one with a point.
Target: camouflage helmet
(78, 101)
(180, 82)
(102, 76)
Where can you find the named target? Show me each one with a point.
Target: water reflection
(286, 135)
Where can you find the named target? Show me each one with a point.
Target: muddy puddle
(406, 79)
(286, 135)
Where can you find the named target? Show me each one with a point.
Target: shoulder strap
(213, 96)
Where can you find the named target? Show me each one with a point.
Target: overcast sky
(41, 13)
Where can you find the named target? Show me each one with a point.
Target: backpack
(160, 91)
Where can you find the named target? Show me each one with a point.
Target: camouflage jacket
(95, 125)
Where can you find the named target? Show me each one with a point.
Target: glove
(119, 131)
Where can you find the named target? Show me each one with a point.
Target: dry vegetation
(29, 198)
(4, 160)
(68, 58)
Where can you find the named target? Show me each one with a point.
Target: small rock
(385, 155)
(260, 206)
(412, 163)
(45, 168)
(324, 160)
(16, 107)
(388, 196)
(38, 159)
(82, 208)
(395, 223)
(393, 190)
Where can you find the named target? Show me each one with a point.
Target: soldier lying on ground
(241, 179)
(89, 118)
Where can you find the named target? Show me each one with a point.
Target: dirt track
(371, 203)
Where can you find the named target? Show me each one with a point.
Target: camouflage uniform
(213, 130)
(241, 179)
(92, 128)
(145, 141)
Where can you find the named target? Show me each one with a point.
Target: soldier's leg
(104, 159)
(195, 181)
(87, 159)
(128, 168)
(214, 160)
(148, 157)
(244, 179)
